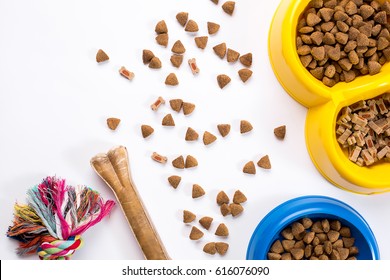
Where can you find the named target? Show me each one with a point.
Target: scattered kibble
(182, 18)
(101, 56)
(224, 129)
(212, 27)
(178, 47)
(168, 120)
(113, 123)
(201, 42)
(280, 132)
(159, 158)
(222, 198)
(239, 197)
(176, 60)
(191, 162)
(245, 127)
(147, 56)
(222, 247)
(236, 209)
(155, 63)
(178, 162)
(222, 230)
(228, 7)
(176, 104)
(208, 138)
(188, 217)
(249, 168)
(215, 1)
(171, 80)
(196, 233)
(162, 39)
(220, 50)
(232, 55)
(223, 80)
(188, 108)
(206, 222)
(210, 248)
(161, 27)
(146, 130)
(225, 209)
(197, 191)
(245, 74)
(191, 26)
(264, 162)
(246, 59)
(191, 135)
(174, 181)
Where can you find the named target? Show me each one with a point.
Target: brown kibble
(174, 181)
(343, 252)
(383, 43)
(155, 63)
(224, 129)
(168, 120)
(178, 47)
(222, 198)
(245, 126)
(307, 223)
(353, 251)
(196, 233)
(197, 191)
(297, 254)
(328, 247)
(146, 130)
(176, 104)
(176, 60)
(220, 50)
(171, 80)
(178, 162)
(246, 59)
(191, 135)
(236, 209)
(362, 40)
(345, 232)
(210, 248)
(264, 162)
(308, 238)
(333, 235)
(312, 19)
(338, 244)
(201, 42)
(326, 14)
(245, 74)
(274, 256)
(161, 27)
(147, 56)
(113, 123)
(325, 225)
(277, 247)
(191, 26)
(191, 162)
(188, 216)
(232, 55)
(287, 233)
(249, 168)
(182, 18)
(348, 241)
(288, 244)
(223, 80)
(208, 138)
(188, 108)
(298, 230)
(212, 27)
(239, 197)
(318, 250)
(374, 67)
(308, 250)
(317, 227)
(101, 56)
(228, 7)
(221, 247)
(318, 53)
(366, 11)
(225, 209)
(335, 225)
(206, 222)
(335, 255)
(381, 17)
(280, 132)
(215, 1)
(162, 39)
(222, 230)
(299, 244)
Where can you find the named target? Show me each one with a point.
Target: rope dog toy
(56, 216)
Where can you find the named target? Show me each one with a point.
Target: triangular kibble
(224, 129)
(222, 198)
(212, 27)
(236, 209)
(161, 27)
(191, 26)
(162, 39)
(155, 63)
(188, 216)
(223, 80)
(113, 123)
(196, 233)
(208, 138)
(191, 135)
(197, 191)
(191, 162)
(225, 209)
(171, 80)
(147, 56)
(221, 247)
(228, 7)
(232, 55)
(174, 181)
(210, 248)
(176, 104)
(176, 60)
(168, 120)
(101, 56)
(264, 162)
(239, 197)
(245, 74)
(201, 42)
(280, 132)
(246, 59)
(206, 222)
(220, 50)
(146, 130)
(178, 47)
(188, 108)
(249, 168)
(178, 162)
(222, 230)
(182, 18)
(245, 126)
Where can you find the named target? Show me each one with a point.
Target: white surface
(54, 100)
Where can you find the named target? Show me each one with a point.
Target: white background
(55, 98)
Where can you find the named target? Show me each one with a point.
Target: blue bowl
(316, 208)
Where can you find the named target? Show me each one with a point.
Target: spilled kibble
(222, 198)
(176, 60)
(101, 56)
(196, 233)
(245, 127)
(208, 138)
(146, 130)
(197, 191)
(224, 129)
(223, 80)
(212, 27)
(178, 47)
(191, 26)
(161, 27)
(236, 209)
(176, 104)
(113, 123)
(147, 56)
(280, 132)
(264, 162)
(249, 168)
(191, 135)
(215, 1)
(239, 197)
(188, 217)
(210, 248)
(155, 63)
(222, 230)
(228, 7)
(182, 18)
(201, 42)
(171, 80)
(225, 209)
(222, 247)
(188, 108)
(191, 162)
(245, 74)
(206, 222)
(178, 162)
(246, 59)
(174, 181)
(220, 50)
(162, 39)
(232, 55)
(168, 120)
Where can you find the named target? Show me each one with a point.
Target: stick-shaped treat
(113, 168)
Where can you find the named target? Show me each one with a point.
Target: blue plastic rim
(314, 207)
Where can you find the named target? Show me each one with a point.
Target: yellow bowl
(324, 105)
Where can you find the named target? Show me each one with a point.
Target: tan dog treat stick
(113, 168)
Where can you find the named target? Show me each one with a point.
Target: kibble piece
(224, 129)
(161, 27)
(188, 108)
(381, 17)
(188, 216)
(171, 80)
(174, 181)
(326, 14)
(215, 1)
(168, 120)
(312, 19)
(178, 47)
(101, 56)
(245, 127)
(287, 233)
(236, 209)
(232, 55)
(176, 60)
(239, 197)
(182, 18)
(335, 225)
(193, 66)
(366, 11)
(307, 223)
(246, 59)
(280, 132)
(178, 162)
(212, 27)
(374, 67)
(318, 250)
(228, 7)
(325, 225)
(159, 158)
(126, 73)
(209, 248)
(333, 235)
(225, 209)
(299, 244)
(196, 233)
(343, 252)
(222, 198)
(249, 168)
(335, 255)
(197, 191)
(383, 43)
(297, 254)
(201, 42)
(223, 80)
(277, 247)
(191, 162)
(338, 244)
(155, 63)
(245, 74)
(208, 138)
(147, 56)
(264, 162)
(191, 26)
(345, 232)
(362, 40)
(308, 250)
(222, 230)
(317, 37)
(274, 256)
(222, 247)
(298, 230)
(317, 227)
(348, 241)
(288, 244)
(206, 222)
(113, 123)
(146, 130)
(334, 53)
(308, 238)
(176, 104)
(191, 135)
(353, 251)
(318, 53)
(162, 39)
(220, 50)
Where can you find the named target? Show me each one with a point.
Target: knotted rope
(60, 249)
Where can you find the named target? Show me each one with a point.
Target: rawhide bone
(113, 168)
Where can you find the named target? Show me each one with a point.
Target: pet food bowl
(315, 208)
(324, 105)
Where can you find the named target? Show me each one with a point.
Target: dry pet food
(126, 73)
(159, 158)
(210, 248)
(176, 60)
(212, 27)
(196, 233)
(208, 138)
(224, 129)
(225, 209)
(232, 55)
(206, 222)
(155, 63)
(236, 209)
(113, 123)
(193, 66)
(191, 162)
(201, 42)
(162, 39)
(157, 103)
(280, 132)
(223, 80)
(176, 104)
(222, 230)
(220, 50)
(147, 56)
(245, 126)
(197, 191)
(222, 198)
(228, 7)
(340, 40)
(171, 80)
(245, 74)
(239, 197)
(101, 56)
(188, 108)
(182, 18)
(364, 129)
(161, 27)
(222, 247)
(249, 168)
(215, 1)
(264, 162)
(191, 135)
(178, 47)
(178, 162)
(146, 130)
(188, 217)
(191, 26)
(168, 120)
(174, 181)
(246, 59)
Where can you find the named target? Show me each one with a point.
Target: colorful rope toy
(56, 215)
